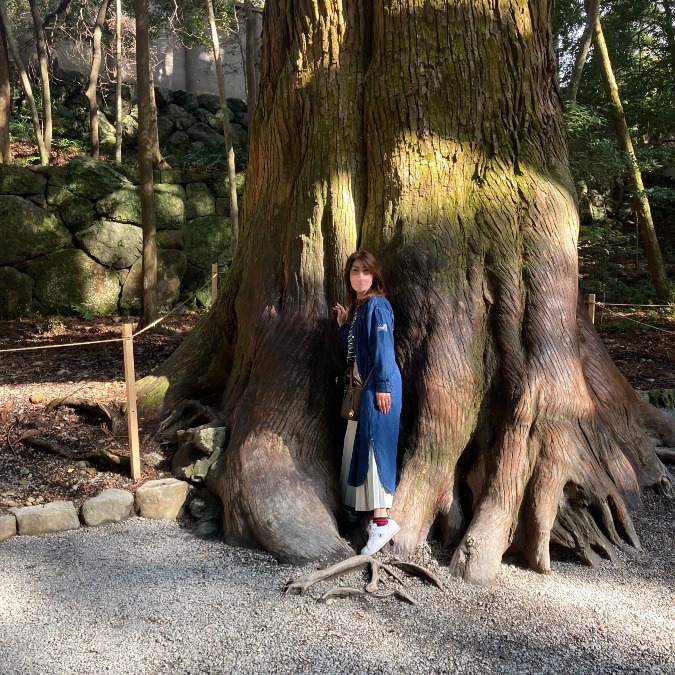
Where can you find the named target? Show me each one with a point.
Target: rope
(119, 339)
(642, 323)
(619, 304)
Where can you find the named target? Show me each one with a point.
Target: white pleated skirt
(371, 494)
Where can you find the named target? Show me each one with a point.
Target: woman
(366, 326)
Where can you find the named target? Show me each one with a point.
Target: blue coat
(374, 349)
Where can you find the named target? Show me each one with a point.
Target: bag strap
(350, 380)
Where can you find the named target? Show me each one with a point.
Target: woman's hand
(383, 401)
(341, 314)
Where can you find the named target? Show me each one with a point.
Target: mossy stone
(77, 213)
(19, 180)
(93, 179)
(207, 240)
(116, 245)
(27, 231)
(170, 269)
(124, 206)
(199, 201)
(70, 282)
(16, 293)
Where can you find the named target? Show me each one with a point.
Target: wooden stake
(214, 283)
(132, 414)
(591, 306)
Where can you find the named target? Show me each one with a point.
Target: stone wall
(71, 237)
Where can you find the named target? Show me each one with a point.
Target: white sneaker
(379, 535)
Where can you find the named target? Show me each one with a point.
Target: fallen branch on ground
(112, 417)
(100, 455)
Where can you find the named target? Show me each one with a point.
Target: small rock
(37, 398)
(7, 526)
(152, 459)
(161, 499)
(110, 506)
(53, 517)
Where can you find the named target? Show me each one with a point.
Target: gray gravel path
(148, 597)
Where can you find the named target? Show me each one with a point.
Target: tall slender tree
(45, 82)
(146, 145)
(432, 135)
(25, 84)
(657, 270)
(5, 99)
(585, 42)
(118, 81)
(92, 83)
(227, 133)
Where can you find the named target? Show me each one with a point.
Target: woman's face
(360, 278)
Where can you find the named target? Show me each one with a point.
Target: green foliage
(612, 265)
(594, 155)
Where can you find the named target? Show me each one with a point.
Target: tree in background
(25, 83)
(432, 135)
(147, 135)
(227, 133)
(657, 270)
(45, 86)
(5, 99)
(92, 82)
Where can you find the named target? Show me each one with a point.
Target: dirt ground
(30, 380)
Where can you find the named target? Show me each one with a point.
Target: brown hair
(370, 263)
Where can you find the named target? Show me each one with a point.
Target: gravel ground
(149, 597)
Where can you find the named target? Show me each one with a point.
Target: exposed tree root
(112, 417)
(352, 592)
(100, 455)
(301, 585)
(187, 414)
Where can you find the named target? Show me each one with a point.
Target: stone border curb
(161, 499)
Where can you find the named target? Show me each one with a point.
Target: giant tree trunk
(147, 128)
(657, 270)
(432, 135)
(25, 84)
(92, 84)
(5, 100)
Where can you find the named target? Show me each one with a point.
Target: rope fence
(592, 303)
(127, 340)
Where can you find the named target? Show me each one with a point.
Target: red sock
(380, 521)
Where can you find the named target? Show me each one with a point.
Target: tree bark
(146, 133)
(118, 81)
(25, 85)
(657, 270)
(431, 134)
(227, 132)
(5, 100)
(92, 84)
(585, 42)
(41, 42)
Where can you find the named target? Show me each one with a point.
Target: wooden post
(591, 306)
(214, 283)
(132, 414)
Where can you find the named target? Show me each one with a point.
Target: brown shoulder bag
(351, 402)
